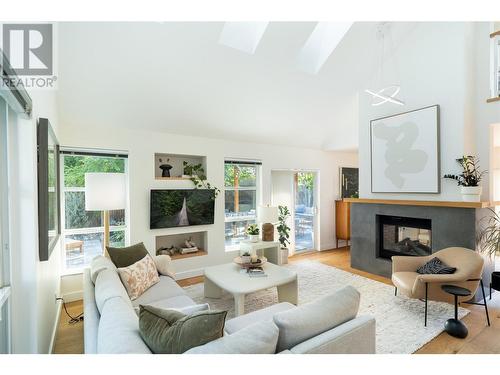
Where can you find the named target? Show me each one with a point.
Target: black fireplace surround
(407, 236)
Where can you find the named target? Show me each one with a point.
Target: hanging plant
(196, 174)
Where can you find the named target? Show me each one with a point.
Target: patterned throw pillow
(139, 277)
(435, 266)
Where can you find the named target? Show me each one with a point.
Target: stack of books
(256, 272)
(188, 250)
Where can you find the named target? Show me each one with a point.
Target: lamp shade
(105, 191)
(268, 214)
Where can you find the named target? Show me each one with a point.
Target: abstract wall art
(405, 152)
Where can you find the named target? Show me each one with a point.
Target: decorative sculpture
(165, 169)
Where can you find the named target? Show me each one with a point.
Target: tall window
(4, 234)
(242, 193)
(83, 231)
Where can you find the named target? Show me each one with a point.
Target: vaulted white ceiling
(178, 78)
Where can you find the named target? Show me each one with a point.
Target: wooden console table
(342, 221)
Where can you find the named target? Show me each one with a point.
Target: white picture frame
(404, 151)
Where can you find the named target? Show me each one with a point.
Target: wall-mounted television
(181, 207)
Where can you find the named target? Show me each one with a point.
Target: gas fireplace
(403, 236)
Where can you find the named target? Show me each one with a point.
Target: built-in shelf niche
(168, 240)
(177, 163)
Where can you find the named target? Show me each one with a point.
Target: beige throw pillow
(164, 265)
(139, 277)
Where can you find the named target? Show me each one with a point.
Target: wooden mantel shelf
(423, 203)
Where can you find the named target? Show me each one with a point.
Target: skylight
(243, 36)
(321, 43)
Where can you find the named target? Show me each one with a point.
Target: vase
(165, 170)
(253, 237)
(245, 259)
(284, 255)
(471, 193)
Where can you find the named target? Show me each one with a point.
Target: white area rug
(400, 320)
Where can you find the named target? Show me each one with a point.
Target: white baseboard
(187, 274)
(54, 329)
(327, 246)
(73, 296)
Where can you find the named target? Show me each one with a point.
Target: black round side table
(455, 327)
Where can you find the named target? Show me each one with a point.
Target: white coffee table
(228, 277)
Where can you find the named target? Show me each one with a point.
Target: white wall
(486, 115)
(142, 145)
(34, 283)
(434, 63)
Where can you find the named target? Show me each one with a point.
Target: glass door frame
(316, 210)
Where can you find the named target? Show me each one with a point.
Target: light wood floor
(481, 338)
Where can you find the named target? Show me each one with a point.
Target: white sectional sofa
(330, 325)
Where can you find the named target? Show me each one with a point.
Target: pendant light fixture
(388, 93)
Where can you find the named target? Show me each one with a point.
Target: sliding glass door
(305, 211)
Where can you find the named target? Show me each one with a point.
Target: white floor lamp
(105, 192)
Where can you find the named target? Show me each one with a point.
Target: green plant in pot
(469, 179)
(488, 241)
(283, 230)
(253, 232)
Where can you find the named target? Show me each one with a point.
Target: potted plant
(469, 179)
(488, 241)
(283, 231)
(246, 257)
(253, 232)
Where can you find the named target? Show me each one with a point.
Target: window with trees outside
(83, 231)
(5, 265)
(241, 194)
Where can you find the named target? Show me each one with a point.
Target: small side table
(268, 249)
(455, 327)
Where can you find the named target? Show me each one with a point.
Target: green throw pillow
(126, 256)
(171, 332)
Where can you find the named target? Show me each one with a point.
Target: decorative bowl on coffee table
(242, 264)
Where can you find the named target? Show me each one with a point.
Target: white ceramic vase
(245, 259)
(253, 237)
(284, 255)
(471, 193)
